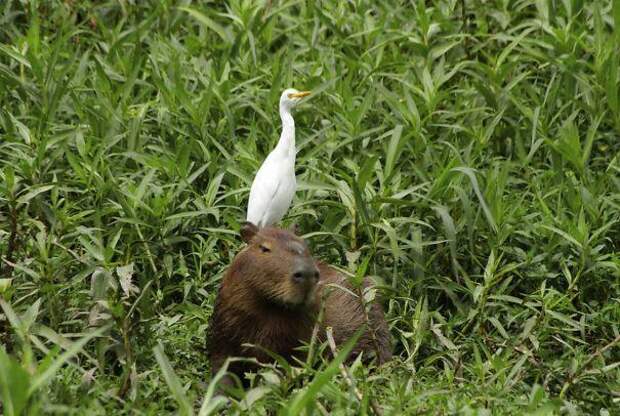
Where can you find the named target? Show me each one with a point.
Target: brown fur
(260, 303)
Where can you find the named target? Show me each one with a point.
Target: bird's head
(291, 97)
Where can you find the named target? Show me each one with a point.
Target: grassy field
(465, 153)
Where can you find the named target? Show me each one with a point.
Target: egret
(274, 186)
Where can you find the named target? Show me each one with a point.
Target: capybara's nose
(306, 272)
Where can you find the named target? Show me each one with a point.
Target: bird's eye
(264, 249)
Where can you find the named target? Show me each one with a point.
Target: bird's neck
(286, 144)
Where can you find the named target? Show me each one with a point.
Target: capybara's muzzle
(305, 271)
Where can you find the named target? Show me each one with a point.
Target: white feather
(274, 185)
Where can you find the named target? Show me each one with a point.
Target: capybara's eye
(264, 249)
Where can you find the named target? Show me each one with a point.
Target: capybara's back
(270, 297)
(345, 313)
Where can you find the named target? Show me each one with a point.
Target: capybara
(270, 297)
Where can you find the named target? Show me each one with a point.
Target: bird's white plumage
(274, 185)
(272, 191)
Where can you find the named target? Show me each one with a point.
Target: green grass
(466, 152)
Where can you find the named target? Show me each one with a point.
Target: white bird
(274, 185)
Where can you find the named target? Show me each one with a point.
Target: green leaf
(40, 380)
(209, 23)
(474, 182)
(299, 402)
(28, 196)
(11, 52)
(14, 382)
(5, 284)
(394, 147)
(22, 129)
(185, 407)
(210, 403)
(616, 17)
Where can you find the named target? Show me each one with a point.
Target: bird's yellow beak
(300, 94)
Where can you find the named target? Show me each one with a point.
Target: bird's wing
(262, 193)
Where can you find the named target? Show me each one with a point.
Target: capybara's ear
(294, 228)
(248, 231)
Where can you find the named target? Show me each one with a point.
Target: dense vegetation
(463, 152)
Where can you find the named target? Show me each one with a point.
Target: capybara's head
(278, 265)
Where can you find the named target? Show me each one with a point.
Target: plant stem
(573, 377)
(12, 246)
(345, 374)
